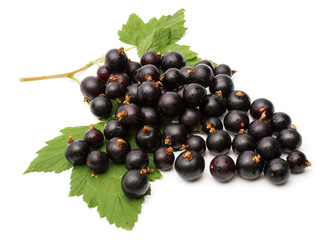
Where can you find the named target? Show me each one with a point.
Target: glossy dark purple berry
(151, 57)
(219, 142)
(114, 128)
(186, 74)
(174, 135)
(129, 114)
(117, 149)
(93, 137)
(171, 79)
(259, 129)
(297, 161)
(191, 118)
(236, 122)
(136, 159)
(249, 165)
(148, 138)
(261, 106)
(213, 106)
(170, 104)
(116, 60)
(163, 158)
(132, 94)
(135, 183)
(223, 69)
(268, 148)
(194, 95)
(148, 72)
(222, 168)
(150, 116)
(77, 151)
(114, 90)
(131, 68)
(195, 143)
(238, 100)
(121, 78)
(189, 165)
(202, 74)
(148, 93)
(221, 83)
(211, 124)
(172, 59)
(289, 139)
(243, 142)
(91, 87)
(280, 121)
(101, 106)
(206, 62)
(277, 171)
(104, 73)
(97, 161)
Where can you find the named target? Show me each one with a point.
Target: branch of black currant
(69, 74)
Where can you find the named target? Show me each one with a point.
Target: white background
(273, 44)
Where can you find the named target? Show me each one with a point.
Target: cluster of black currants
(162, 88)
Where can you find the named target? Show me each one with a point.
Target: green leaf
(131, 32)
(157, 41)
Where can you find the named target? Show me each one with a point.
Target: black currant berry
(136, 159)
(104, 73)
(243, 142)
(172, 60)
(175, 135)
(171, 79)
(131, 68)
(280, 121)
(135, 183)
(236, 122)
(268, 148)
(261, 106)
(222, 168)
(77, 151)
(189, 165)
(121, 78)
(221, 83)
(277, 171)
(114, 128)
(163, 158)
(206, 62)
(202, 74)
(191, 118)
(148, 138)
(93, 137)
(213, 106)
(148, 72)
(170, 104)
(117, 149)
(92, 87)
(249, 165)
(114, 90)
(297, 161)
(194, 95)
(151, 57)
(101, 106)
(259, 129)
(195, 143)
(132, 94)
(219, 142)
(186, 74)
(150, 116)
(148, 93)
(116, 60)
(238, 100)
(289, 139)
(129, 114)
(223, 69)
(97, 161)
(211, 124)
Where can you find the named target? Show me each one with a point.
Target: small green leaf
(131, 31)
